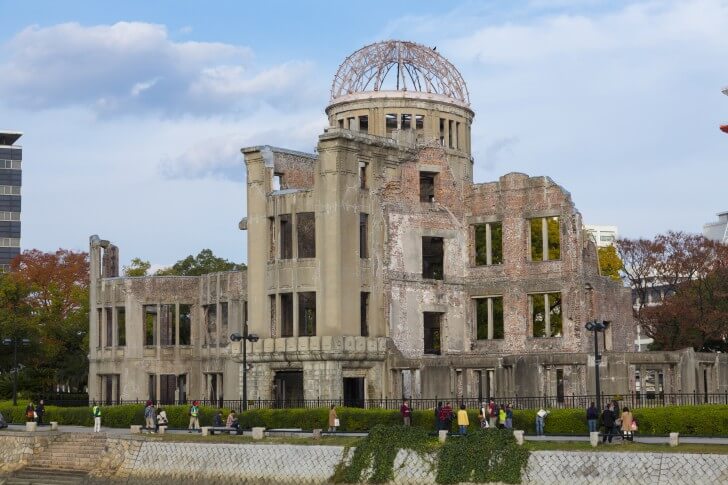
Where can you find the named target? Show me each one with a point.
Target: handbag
(337, 423)
(633, 426)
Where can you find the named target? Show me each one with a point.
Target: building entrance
(354, 392)
(289, 388)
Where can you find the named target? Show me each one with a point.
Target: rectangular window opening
(364, 124)
(427, 186)
(363, 235)
(442, 132)
(150, 324)
(121, 326)
(185, 324)
(364, 314)
(307, 314)
(210, 324)
(286, 235)
(363, 182)
(277, 183)
(224, 324)
(109, 312)
(545, 239)
(406, 121)
(306, 234)
(489, 318)
(432, 333)
(419, 122)
(488, 243)
(341, 123)
(546, 314)
(432, 258)
(168, 324)
(450, 133)
(390, 121)
(286, 315)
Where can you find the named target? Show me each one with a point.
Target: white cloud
(132, 67)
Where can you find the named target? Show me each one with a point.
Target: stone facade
(378, 268)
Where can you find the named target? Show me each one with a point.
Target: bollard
(31, 426)
(162, 429)
(442, 435)
(258, 433)
(594, 438)
(674, 439)
(518, 434)
(316, 434)
(136, 429)
(205, 431)
(54, 425)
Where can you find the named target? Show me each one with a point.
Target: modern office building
(602, 235)
(718, 230)
(11, 157)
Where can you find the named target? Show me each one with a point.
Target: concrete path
(638, 438)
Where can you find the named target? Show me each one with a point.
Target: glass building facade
(11, 157)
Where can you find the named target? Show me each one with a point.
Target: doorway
(354, 392)
(289, 389)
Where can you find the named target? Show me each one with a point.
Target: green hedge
(703, 420)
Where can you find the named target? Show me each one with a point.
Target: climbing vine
(482, 456)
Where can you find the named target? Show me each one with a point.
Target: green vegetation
(205, 262)
(347, 441)
(626, 447)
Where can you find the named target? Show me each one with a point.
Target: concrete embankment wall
(138, 460)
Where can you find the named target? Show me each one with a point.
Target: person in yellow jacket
(463, 420)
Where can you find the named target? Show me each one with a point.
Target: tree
(137, 267)
(205, 262)
(609, 262)
(58, 299)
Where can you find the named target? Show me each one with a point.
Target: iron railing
(633, 400)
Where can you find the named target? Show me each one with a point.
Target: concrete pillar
(31, 426)
(136, 429)
(316, 434)
(594, 438)
(205, 431)
(442, 435)
(674, 439)
(162, 429)
(258, 433)
(518, 435)
(54, 425)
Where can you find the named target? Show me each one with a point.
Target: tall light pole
(724, 128)
(597, 326)
(236, 337)
(15, 342)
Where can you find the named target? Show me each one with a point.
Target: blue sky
(134, 112)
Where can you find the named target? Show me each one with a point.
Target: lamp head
(253, 337)
(236, 337)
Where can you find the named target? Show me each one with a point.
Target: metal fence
(634, 400)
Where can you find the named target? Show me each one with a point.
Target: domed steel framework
(417, 68)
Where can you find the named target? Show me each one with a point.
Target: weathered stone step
(46, 476)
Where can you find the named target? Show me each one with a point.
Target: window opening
(432, 333)
(363, 235)
(109, 326)
(306, 234)
(121, 326)
(185, 324)
(341, 123)
(351, 123)
(286, 236)
(152, 387)
(286, 315)
(363, 182)
(488, 243)
(406, 121)
(150, 324)
(271, 238)
(224, 336)
(168, 324)
(442, 131)
(364, 314)
(432, 258)
(449, 133)
(277, 181)
(364, 124)
(560, 385)
(100, 326)
(489, 318)
(427, 186)
(390, 122)
(210, 329)
(419, 122)
(545, 239)
(307, 314)
(546, 314)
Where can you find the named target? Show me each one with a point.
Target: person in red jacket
(406, 413)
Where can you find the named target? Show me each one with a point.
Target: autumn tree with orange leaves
(51, 289)
(690, 275)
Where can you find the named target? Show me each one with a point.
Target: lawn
(626, 447)
(271, 440)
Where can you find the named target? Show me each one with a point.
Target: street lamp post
(236, 337)
(597, 326)
(14, 342)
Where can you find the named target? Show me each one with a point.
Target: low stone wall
(139, 460)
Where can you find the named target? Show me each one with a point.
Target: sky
(134, 112)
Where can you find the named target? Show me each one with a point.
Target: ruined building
(377, 268)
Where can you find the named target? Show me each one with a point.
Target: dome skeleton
(418, 68)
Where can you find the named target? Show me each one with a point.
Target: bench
(222, 429)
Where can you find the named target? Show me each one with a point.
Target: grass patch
(626, 447)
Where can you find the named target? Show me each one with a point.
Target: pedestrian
(406, 413)
(233, 422)
(608, 419)
(483, 416)
(149, 417)
(591, 417)
(463, 421)
(162, 418)
(333, 419)
(627, 420)
(40, 412)
(218, 419)
(502, 417)
(96, 413)
(509, 416)
(541, 421)
(492, 413)
(438, 425)
(446, 417)
(30, 412)
(194, 417)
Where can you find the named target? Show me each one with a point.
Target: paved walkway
(562, 438)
